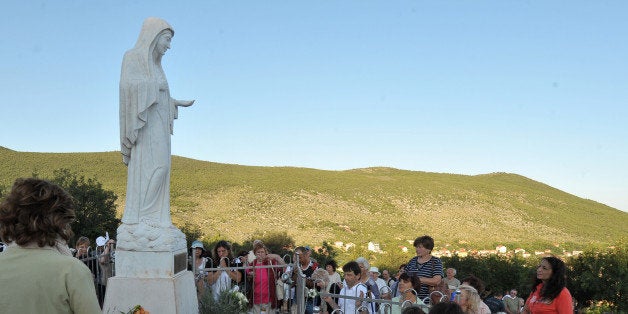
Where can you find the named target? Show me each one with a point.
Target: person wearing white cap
(199, 263)
(374, 272)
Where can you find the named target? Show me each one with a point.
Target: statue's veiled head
(149, 35)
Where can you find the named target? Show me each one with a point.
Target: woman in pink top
(264, 294)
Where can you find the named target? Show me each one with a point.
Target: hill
(383, 205)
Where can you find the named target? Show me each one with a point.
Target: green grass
(383, 205)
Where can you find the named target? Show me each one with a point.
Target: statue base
(156, 295)
(149, 235)
(151, 270)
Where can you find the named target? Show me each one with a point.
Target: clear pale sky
(537, 88)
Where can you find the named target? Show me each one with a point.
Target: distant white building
(374, 247)
(501, 249)
(462, 253)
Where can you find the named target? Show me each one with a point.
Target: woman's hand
(223, 262)
(109, 244)
(275, 257)
(358, 303)
(81, 251)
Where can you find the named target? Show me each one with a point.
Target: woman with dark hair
(549, 294)
(223, 259)
(424, 265)
(408, 288)
(334, 276)
(335, 281)
(39, 274)
(198, 265)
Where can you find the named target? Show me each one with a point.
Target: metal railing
(385, 305)
(289, 278)
(102, 267)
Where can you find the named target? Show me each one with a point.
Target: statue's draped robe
(146, 115)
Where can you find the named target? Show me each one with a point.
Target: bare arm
(233, 274)
(430, 281)
(331, 302)
(105, 257)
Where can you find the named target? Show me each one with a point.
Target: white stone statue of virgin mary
(146, 117)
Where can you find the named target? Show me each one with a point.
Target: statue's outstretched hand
(184, 103)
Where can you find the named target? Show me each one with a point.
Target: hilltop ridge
(380, 204)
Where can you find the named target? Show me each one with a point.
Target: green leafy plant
(229, 301)
(96, 208)
(598, 279)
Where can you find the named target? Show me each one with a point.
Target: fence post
(300, 292)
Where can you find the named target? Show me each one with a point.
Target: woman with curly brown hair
(38, 266)
(225, 277)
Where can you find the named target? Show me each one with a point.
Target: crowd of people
(364, 289)
(46, 276)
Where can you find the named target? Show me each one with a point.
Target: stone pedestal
(157, 295)
(133, 264)
(151, 270)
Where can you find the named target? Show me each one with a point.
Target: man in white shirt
(375, 275)
(350, 288)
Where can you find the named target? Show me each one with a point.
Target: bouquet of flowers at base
(229, 301)
(138, 309)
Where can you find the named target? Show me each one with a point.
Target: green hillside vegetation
(383, 205)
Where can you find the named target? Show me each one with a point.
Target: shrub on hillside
(599, 279)
(95, 206)
(499, 273)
